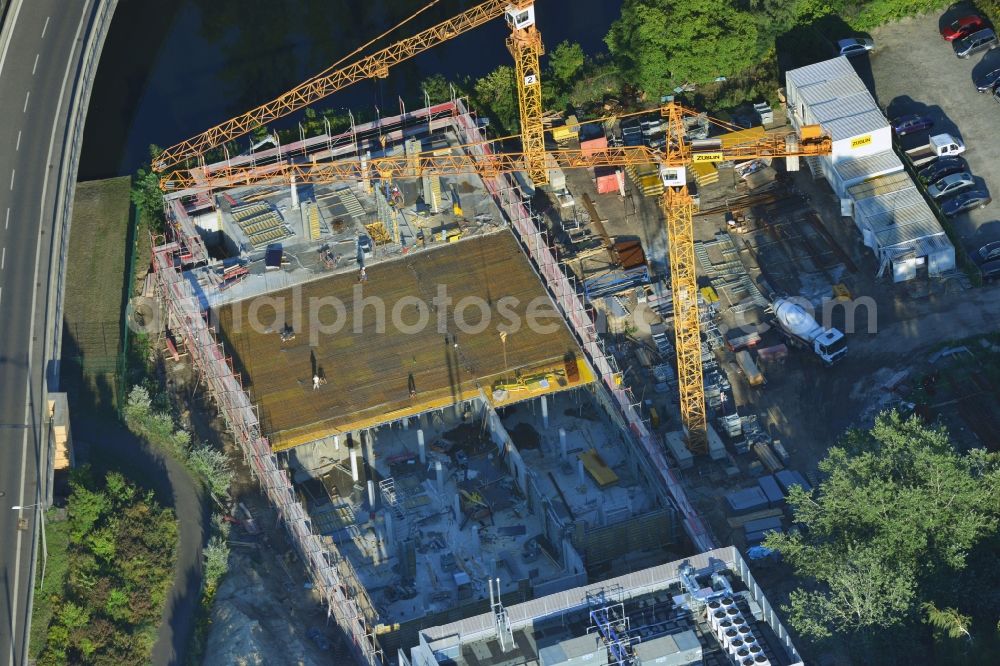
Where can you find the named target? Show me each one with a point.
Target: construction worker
(315, 382)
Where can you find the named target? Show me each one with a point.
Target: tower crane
(676, 202)
(525, 45)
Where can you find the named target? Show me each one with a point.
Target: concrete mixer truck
(802, 330)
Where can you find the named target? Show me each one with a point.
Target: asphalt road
(37, 73)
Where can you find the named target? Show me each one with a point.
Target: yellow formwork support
(526, 47)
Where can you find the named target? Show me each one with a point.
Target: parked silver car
(952, 184)
(974, 43)
(854, 46)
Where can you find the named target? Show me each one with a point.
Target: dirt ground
(264, 611)
(804, 405)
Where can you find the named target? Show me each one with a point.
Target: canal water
(172, 69)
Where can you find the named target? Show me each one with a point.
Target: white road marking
(18, 146)
(46, 26)
(7, 220)
(13, 11)
(1, 294)
(31, 335)
(35, 66)
(12, 172)
(3, 259)
(26, 96)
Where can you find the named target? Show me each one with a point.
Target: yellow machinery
(676, 202)
(525, 45)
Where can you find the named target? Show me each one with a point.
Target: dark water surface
(172, 69)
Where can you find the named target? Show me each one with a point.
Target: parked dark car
(963, 27)
(988, 258)
(989, 252)
(988, 82)
(990, 270)
(941, 167)
(974, 43)
(960, 203)
(912, 123)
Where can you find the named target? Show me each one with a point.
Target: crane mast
(678, 209)
(525, 45)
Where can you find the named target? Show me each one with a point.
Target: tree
(947, 620)
(497, 93)
(661, 44)
(889, 528)
(565, 61)
(146, 195)
(438, 88)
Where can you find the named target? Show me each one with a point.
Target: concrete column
(390, 537)
(371, 494)
(440, 475)
(336, 442)
(295, 195)
(406, 423)
(581, 471)
(545, 412)
(370, 440)
(562, 442)
(420, 445)
(354, 464)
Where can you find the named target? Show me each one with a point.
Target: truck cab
(945, 145)
(830, 345)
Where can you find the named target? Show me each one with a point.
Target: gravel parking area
(916, 71)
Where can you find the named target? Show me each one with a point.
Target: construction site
(540, 466)
(423, 462)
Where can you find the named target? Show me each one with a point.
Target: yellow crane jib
(678, 206)
(329, 81)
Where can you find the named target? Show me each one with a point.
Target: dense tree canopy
(121, 553)
(889, 528)
(565, 61)
(662, 44)
(146, 195)
(496, 93)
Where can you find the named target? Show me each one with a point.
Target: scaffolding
(567, 295)
(331, 574)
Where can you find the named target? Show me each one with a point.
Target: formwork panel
(374, 374)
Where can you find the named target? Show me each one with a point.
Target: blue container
(788, 477)
(769, 486)
(747, 500)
